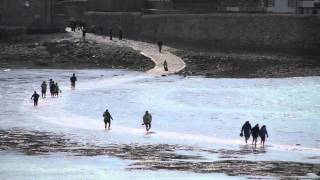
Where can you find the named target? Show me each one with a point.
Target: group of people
(54, 91)
(246, 129)
(53, 87)
(76, 25)
(99, 30)
(147, 119)
(256, 132)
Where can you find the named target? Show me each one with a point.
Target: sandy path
(175, 63)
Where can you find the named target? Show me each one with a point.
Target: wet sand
(155, 156)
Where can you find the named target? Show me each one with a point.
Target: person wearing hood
(35, 98)
(263, 133)
(246, 131)
(255, 134)
(73, 80)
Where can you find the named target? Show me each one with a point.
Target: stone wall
(11, 33)
(74, 10)
(117, 5)
(160, 4)
(40, 13)
(244, 32)
(203, 6)
(18, 12)
(66, 11)
(130, 23)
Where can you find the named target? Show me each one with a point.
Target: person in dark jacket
(107, 119)
(147, 118)
(160, 43)
(110, 34)
(51, 87)
(246, 131)
(84, 32)
(56, 89)
(35, 98)
(262, 133)
(255, 134)
(73, 80)
(165, 65)
(43, 89)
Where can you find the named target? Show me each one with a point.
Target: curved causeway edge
(175, 63)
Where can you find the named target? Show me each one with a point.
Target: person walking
(84, 32)
(35, 97)
(165, 65)
(43, 89)
(246, 131)
(107, 119)
(263, 133)
(110, 34)
(56, 90)
(52, 87)
(255, 134)
(160, 43)
(73, 80)
(147, 118)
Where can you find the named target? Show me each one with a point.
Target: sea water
(194, 111)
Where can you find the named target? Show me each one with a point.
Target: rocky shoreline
(248, 65)
(156, 156)
(62, 51)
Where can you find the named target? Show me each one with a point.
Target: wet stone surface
(155, 156)
(41, 143)
(236, 167)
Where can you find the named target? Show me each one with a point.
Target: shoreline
(66, 51)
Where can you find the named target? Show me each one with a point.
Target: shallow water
(192, 111)
(17, 166)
